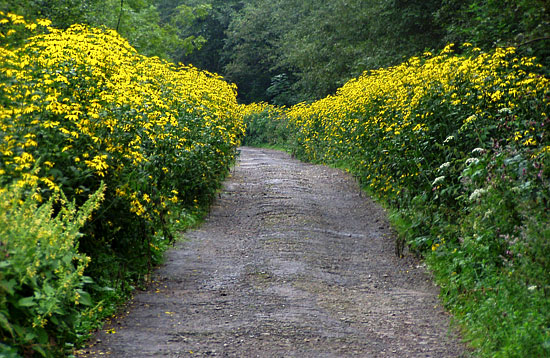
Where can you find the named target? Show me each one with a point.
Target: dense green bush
(265, 125)
(43, 298)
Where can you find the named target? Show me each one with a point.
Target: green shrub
(265, 125)
(43, 298)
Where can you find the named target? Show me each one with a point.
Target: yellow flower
(530, 141)
(43, 22)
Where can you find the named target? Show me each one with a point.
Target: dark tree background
(287, 51)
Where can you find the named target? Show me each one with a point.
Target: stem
(534, 40)
(119, 15)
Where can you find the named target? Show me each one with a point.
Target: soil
(293, 261)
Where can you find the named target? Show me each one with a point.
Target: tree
(250, 51)
(137, 20)
(62, 13)
(490, 23)
(286, 51)
(146, 29)
(212, 29)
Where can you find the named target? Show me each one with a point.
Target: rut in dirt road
(292, 262)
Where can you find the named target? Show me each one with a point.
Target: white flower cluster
(448, 139)
(438, 180)
(477, 194)
(470, 161)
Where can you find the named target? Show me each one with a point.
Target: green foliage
(496, 275)
(62, 13)
(251, 48)
(143, 25)
(212, 28)
(265, 126)
(524, 24)
(504, 23)
(42, 283)
(138, 21)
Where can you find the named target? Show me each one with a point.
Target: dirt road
(292, 262)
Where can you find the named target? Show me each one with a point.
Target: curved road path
(293, 261)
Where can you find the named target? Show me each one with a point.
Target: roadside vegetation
(458, 148)
(87, 123)
(266, 126)
(108, 149)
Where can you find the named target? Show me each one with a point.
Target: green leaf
(87, 279)
(8, 286)
(67, 259)
(85, 298)
(40, 350)
(48, 290)
(26, 302)
(29, 336)
(54, 320)
(5, 324)
(8, 352)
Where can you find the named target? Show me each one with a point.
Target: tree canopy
(287, 51)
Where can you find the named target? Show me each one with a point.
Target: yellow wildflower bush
(457, 146)
(84, 102)
(426, 111)
(80, 106)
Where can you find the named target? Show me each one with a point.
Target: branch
(120, 14)
(534, 40)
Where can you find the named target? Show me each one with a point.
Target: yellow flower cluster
(259, 107)
(82, 103)
(388, 122)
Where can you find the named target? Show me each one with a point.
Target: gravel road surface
(293, 261)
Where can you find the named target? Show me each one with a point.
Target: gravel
(293, 261)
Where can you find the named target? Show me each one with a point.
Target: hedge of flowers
(459, 147)
(81, 107)
(265, 124)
